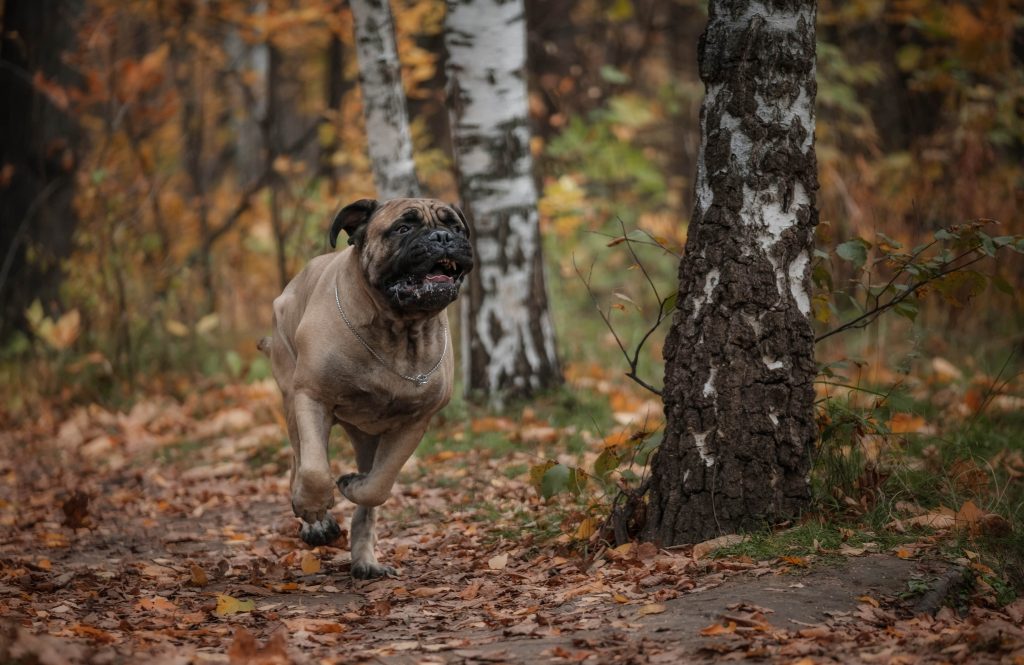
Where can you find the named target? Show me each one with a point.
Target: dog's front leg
(363, 532)
(379, 461)
(312, 485)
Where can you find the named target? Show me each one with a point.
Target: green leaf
(605, 463)
(987, 245)
(670, 302)
(614, 75)
(555, 480)
(537, 473)
(907, 309)
(888, 241)
(821, 276)
(854, 251)
(234, 363)
(1000, 283)
(946, 234)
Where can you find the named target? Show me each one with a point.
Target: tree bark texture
(38, 155)
(508, 341)
(739, 356)
(387, 122)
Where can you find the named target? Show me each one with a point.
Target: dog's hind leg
(309, 425)
(365, 565)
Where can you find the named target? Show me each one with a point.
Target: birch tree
(507, 336)
(387, 121)
(739, 356)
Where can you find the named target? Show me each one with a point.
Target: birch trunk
(507, 337)
(387, 122)
(739, 356)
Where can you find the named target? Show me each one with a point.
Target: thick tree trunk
(508, 339)
(739, 357)
(387, 122)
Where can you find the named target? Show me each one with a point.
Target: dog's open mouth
(433, 289)
(444, 271)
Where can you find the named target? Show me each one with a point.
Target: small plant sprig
(889, 277)
(666, 304)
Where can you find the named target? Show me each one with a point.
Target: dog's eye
(402, 229)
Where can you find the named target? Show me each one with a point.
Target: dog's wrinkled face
(414, 251)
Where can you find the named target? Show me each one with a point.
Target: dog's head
(416, 252)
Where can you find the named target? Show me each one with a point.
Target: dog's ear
(462, 217)
(352, 220)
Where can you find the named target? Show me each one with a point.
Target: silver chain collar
(419, 379)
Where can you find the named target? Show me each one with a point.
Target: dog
(361, 340)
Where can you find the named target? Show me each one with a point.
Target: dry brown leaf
(428, 592)
(651, 608)
(498, 562)
(198, 576)
(700, 550)
(245, 650)
(156, 604)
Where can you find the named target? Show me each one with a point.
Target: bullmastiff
(361, 340)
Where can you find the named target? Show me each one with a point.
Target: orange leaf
(906, 423)
(199, 577)
(156, 604)
(719, 629)
(310, 563)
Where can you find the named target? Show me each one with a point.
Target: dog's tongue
(438, 278)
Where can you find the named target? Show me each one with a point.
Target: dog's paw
(346, 482)
(312, 495)
(372, 571)
(324, 532)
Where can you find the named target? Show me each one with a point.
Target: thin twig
(633, 361)
(867, 317)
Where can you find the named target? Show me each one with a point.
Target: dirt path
(198, 561)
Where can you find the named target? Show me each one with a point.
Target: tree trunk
(38, 155)
(507, 335)
(387, 123)
(739, 400)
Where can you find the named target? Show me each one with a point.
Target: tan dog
(361, 340)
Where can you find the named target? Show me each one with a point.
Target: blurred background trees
(166, 166)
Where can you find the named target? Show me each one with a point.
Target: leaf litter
(112, 547)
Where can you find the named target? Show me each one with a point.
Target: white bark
(387, 122)
(508, 339)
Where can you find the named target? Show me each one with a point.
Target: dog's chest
(376, 406)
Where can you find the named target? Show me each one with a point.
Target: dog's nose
(441, 237)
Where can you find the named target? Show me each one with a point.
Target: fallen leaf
(227, 605)
(93, 633)
(498, 562)
(700, 550)
(906, 423)
(310, 563)
(796, 561)
(719, 629)
(586, 529)
(245, 650)
(869, 600)
(156, 604)
(651, 608)
(198, 576)
(428, 591)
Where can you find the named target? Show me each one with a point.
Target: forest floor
(165, 533)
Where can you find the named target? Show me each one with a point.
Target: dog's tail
(264, 344)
